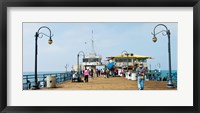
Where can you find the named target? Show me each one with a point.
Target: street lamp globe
(154, 39)
(50, 41)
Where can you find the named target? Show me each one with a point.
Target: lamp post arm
(82, 53)
(43, 33)
(124, 51)
(159, 33)
(154, 31)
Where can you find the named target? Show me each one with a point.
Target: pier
(112, 83)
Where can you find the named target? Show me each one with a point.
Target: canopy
(129, 56)
(110, 65)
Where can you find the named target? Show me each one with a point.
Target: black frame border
(99, 3)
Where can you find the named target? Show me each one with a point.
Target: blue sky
(110, 39)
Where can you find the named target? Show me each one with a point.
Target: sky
(110, 39)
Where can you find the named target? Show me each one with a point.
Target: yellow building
(129, 61)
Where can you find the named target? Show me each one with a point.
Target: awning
(110, 65)
(129, 56)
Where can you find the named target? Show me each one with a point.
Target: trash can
(51, 81)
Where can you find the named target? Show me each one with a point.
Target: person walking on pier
(107, 73)
(92, 73)
(140, 75)
(86, 74)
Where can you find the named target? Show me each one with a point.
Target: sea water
(43, 72)
(165, 73)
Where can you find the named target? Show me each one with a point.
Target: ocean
(43, 72)
(165, 73)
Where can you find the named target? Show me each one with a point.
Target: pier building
(92, 60)
(127, 61)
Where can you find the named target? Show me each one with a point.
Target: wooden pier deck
(112, 83)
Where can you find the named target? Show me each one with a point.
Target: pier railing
(29, 79)
(158, 77)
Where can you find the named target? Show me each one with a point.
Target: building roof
(130, 56)
(93, 56)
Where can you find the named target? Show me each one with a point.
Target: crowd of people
(106, 73)
(140, 70)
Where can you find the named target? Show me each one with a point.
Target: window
(122, 60)
(142, 60)
(91, 60)
(85, 60)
